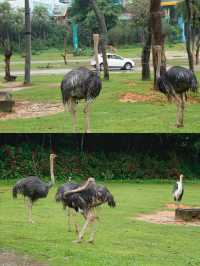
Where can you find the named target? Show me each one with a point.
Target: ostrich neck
(52, 171)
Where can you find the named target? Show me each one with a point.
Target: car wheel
(128, 66)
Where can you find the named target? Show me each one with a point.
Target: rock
(188, 214)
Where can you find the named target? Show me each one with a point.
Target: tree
(27, 74)
(190, 10)
(10, 29)
(140, 11)
(157, 39)
(98, 16)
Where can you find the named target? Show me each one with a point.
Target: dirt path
(28, 109)
(12, 259)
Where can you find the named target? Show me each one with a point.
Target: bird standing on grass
(77, 85)
(33, 188)
(178, 191)
(84, 199)
(60, 197)
(175, 83)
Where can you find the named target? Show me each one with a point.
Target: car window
(117, 57)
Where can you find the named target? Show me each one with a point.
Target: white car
(114, 62)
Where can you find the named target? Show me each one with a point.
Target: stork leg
(86, 111)
(71, 106)
(30, 205)
(180, 109)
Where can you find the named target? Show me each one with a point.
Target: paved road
(62, 71)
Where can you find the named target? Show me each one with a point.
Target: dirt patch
(28, 109)
(134, 97)
(12, 259)
(174, 206)
(153, 97)
(164, 217)
(14, 86)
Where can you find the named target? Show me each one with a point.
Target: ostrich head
(89, 181)
(52, 158)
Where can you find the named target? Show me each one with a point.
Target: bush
(17, 162)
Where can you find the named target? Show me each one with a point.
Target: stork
(178, 190)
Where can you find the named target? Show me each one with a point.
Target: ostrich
(84, 199)
(60, 197)
(34, 188)
(178, 190)
(175, 83)
(76, 85)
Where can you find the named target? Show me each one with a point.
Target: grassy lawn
(108, 113)
(120, 240)
(55, 54)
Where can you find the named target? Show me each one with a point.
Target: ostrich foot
(179, 125)
(77, 241)
(88, 131)
(91, 241)
(31, 221)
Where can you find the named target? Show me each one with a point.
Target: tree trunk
(197, 54)
(27, 75)
(157, 39)
(7, 54)
(103, 34)
(65, 48)
(146, 52)
(188, 33)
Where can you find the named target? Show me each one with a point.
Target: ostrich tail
(63, 94)
(14, 192)
(111, 201)
(194, 84)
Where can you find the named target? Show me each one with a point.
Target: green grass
(108, 113)
(120, 240)
(55, 54)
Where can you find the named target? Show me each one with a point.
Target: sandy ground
(12, 259)
(166, 216)
(28, 109)
(153, 97)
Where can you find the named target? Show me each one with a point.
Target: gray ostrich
(175, 83)
(84, 199)
(60, 197)
(77, 85)
(33, 188)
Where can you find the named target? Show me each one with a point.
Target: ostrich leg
(180, 110)
(69, 215)
(30, 204)
(86, 111)
(89, 219)
(69, 221)
(71, 104)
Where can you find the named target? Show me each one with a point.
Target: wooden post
(96, 51)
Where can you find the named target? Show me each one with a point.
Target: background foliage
(135, 157)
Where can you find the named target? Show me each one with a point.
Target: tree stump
(187, 214)
(6, 102)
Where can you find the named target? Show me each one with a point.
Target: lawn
(120, 240)
(108, 113)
